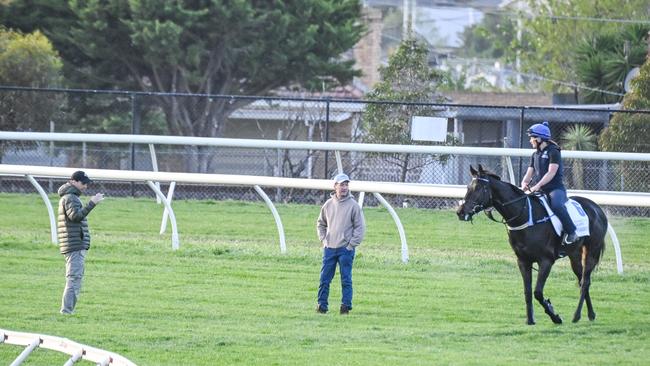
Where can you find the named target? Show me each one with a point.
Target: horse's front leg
(544, 270)
(526, 274)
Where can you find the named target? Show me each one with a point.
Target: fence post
(327, 133)
(278, 171)
(50, 184)
(521, 138)
(135, 130)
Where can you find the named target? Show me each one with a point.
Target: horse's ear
(473, 171)
(480, 168)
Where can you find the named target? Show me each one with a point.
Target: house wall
(367, 52)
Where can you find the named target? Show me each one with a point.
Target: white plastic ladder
(77, 351)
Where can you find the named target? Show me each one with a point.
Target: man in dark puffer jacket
(73, 234)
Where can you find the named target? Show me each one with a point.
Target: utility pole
(408, 18)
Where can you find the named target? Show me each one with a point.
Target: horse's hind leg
(542, 276)
(584, 273)
(590, 309)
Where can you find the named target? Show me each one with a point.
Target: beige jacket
(341, 223)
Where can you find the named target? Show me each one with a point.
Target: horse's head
(478, 196)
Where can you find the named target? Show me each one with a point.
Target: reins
(488, 209)
(488, 212)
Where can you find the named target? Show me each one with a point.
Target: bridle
(488, 206)
(478, 207)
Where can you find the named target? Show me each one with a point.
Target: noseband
(488, 206)
(484, 191)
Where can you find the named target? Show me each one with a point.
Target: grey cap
(341, 177)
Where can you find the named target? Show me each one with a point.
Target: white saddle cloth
(577, 214)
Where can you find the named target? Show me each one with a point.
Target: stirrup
(565, 239)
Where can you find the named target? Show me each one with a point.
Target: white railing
(430, 190)
(632, 199)
(307, 145)
(75, 350)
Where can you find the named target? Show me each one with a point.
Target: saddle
(577, 214)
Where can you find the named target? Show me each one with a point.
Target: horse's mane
(490, 174)
(497, 177)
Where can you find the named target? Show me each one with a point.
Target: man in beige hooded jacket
(341, 228)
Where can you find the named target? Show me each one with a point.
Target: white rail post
(26, 352)
(172, 217)
(339, 163)
(400, 228)
(511, 172)
(74, 358)
(362, 196)
(170, 194)
(617, 248)
(84, 153)
(154, 165)
(48, 204)
(276, 216)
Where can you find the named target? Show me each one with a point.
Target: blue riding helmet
(540, 130)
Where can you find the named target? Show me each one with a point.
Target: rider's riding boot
(569, 239)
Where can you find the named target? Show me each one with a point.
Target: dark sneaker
(345, 309)
(569, 239)
(320, 309)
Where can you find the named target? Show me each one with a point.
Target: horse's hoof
(530, 322)
(557, 319)
(576, 318)
(592, 316)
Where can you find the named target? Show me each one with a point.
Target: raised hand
(97, 198)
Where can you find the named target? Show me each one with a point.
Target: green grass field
(228, 296)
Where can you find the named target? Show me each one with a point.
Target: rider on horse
(545, 171)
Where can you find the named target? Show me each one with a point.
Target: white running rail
(75, 350)
(307, 145)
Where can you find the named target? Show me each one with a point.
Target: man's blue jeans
(332, 256)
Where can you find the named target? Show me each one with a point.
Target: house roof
(351, 91)
(500, 99)
(298, 110)
(568, 114)
(468, 106)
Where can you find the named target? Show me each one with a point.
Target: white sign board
(429, 129)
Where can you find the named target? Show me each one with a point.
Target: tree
(578, 137)
(488, 39)
(629, 132)
(407, 79)
(603, 61)
(204, 47)
(27, 60)
(553, 30)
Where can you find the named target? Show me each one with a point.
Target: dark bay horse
(535, 240)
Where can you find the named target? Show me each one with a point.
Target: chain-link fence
(304, 119)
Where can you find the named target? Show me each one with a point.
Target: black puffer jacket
(72, 226)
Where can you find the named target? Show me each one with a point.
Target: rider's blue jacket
(540, 160)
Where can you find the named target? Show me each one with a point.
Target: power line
(543, 78)
(566, 17)
(529, 16)
(569, 84)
